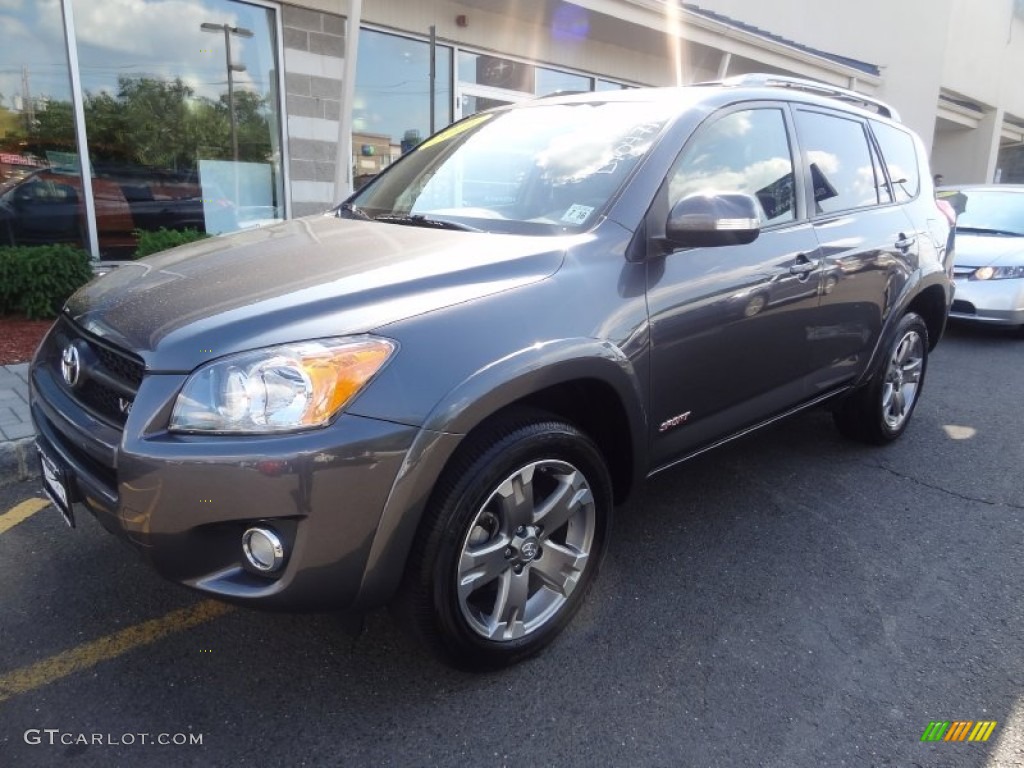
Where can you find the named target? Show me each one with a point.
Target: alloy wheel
(526, 550)
(902, 379)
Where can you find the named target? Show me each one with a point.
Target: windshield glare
(989, 209)
(543, 169)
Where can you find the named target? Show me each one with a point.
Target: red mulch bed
(20, 337)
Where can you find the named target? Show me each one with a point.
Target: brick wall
(314, 58)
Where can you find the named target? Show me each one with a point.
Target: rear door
(728, 340)
(868, 244)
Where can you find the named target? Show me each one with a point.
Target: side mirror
(724, 218)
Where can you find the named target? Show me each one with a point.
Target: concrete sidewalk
(17, 454)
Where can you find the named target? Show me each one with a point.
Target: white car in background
(989, 265)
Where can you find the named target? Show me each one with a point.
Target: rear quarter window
(900, 156)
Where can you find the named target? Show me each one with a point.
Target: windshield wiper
(990, 231)
(353, 211)
(419, 220)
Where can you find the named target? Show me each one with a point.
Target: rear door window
(839, 161)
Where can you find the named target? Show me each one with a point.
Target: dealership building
(224, 114)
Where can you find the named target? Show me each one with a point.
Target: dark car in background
(47, 206)
(436, 396)
(989, 264)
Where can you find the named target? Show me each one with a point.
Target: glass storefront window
(1011, 165)
(182, 117)
(496, 72)
(472, 103)
(40, 186)
(392, 103)
(551, 81)
(391, 113)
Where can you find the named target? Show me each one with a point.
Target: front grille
(109, 377)
(122, 366)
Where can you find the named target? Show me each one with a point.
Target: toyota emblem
(70, 365)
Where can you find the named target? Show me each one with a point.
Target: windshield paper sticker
(577, 214)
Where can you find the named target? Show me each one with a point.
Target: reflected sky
(393, 86)
(161, 39)
(32, 37)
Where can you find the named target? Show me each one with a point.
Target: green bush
(36, 280)
(162, 239)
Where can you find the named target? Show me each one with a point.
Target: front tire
(510, 542)
(879, 412)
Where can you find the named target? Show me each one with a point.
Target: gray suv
(435, 396)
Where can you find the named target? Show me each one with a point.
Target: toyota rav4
(436, 395)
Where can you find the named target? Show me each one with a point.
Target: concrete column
(723, 65)
(969, 156)
(314, 65)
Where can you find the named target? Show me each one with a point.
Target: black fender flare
(488, 390)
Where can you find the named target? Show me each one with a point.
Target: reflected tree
(151, 123)
(54, 129)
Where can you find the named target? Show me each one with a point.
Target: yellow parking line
(20, 513)
(89, 655)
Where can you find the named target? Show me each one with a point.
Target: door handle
(905, 241)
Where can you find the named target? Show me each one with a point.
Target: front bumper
(184, 501)
(997, 302)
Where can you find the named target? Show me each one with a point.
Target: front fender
(533, 369)
(482, 394)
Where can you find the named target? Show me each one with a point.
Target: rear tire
(510, 542)
(880, 411)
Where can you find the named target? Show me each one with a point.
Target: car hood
(988, 250)
(302, 279)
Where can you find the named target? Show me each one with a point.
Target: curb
(17, 461)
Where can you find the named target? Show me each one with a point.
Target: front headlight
(279, 389)
(997, 273)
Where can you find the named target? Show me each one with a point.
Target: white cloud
(156, 38)
(749, 179)
(143, 27)
(826, 161)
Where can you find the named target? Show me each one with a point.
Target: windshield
(988, 210)
(544, 169)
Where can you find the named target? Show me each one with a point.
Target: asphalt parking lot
(791, 600)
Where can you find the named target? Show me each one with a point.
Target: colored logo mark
(958, 730)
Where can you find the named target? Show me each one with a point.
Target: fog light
(263, 549)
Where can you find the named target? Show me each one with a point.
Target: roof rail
(812, 86)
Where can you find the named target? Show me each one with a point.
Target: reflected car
(989, 263)
(48, 206)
